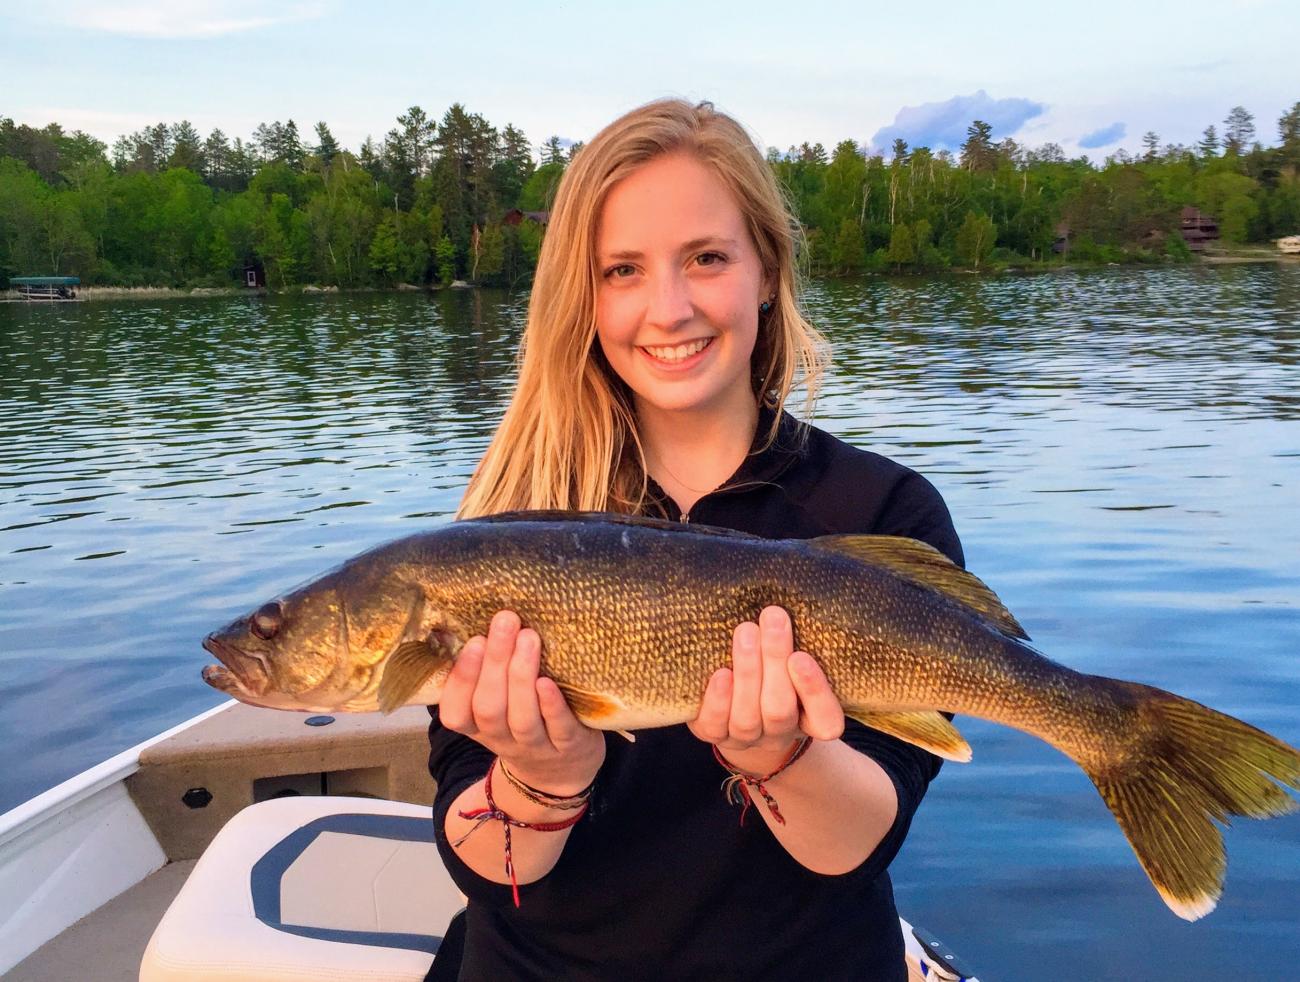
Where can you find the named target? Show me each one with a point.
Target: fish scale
(636, 614)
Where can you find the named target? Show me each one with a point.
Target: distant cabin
(1061, 246)
(1198, 228)
(516, 217)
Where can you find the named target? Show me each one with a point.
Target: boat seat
(310, 888)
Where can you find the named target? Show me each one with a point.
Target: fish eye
(265, 624)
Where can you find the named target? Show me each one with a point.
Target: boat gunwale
(25, 817)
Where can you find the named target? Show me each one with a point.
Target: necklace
(660, 463)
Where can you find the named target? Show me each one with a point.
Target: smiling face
(679, 289)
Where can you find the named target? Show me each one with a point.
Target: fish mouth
(239, 673)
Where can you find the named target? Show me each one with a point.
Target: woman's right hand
(495, 696)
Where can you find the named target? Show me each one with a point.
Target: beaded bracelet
(563, 802)
(492, 813)
(736, 787)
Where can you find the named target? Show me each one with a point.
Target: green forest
(441, 200)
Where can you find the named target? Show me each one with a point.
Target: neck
(690, 454)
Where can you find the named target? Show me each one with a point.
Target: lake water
(1120, 450)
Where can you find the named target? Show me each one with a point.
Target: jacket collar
(764, 463)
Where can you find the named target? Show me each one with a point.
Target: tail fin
(1196, 765)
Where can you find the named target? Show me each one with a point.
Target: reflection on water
(1120, 450)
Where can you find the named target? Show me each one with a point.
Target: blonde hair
(569, 438)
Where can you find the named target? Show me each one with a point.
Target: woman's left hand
(770, 697)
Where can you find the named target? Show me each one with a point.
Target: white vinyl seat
(309, 888)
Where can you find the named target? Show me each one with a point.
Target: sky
(1091, 77)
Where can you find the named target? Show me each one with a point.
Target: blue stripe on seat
(268, 871)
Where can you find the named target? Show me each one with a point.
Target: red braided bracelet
(737, 786)
(492, 813)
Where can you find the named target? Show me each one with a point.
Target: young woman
(663, 340)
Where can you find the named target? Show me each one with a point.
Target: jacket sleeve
(456, 762)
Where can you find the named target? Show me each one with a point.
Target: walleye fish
(635, 614)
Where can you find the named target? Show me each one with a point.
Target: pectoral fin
(925, 728)
(413, 664)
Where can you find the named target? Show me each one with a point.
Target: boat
(235, 846)
(45, 287)
(1290, 245)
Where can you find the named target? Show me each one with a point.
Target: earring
(765, 307)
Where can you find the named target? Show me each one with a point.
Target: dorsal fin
(926, 566)
(611, 518)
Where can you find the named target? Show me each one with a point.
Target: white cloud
(176, 19)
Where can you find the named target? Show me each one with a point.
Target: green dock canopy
(44, 281)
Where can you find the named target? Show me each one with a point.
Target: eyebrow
(694, 244)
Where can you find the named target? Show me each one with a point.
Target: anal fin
(926, 728)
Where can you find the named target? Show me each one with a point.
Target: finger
(715, 710)
(823, 716)
(746, 723)
(523, 714)
(454, 708)
(563, 729)
(491, 693)
(779, 703)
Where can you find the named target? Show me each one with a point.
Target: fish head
(321, 647)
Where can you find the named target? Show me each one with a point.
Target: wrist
(761, 758)
(564, 780)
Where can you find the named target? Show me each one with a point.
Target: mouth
(239, 672)
(677, 356)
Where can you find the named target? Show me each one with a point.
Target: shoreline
(93, 293)
(1226, 257)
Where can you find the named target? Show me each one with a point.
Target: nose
(670, 302)
(265, 623)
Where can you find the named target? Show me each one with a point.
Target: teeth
(679, 352)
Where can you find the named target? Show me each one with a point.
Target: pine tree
(1288, 132)
(1209, 145)
(1151, 143)
(327, 148)
(1238, 131)
(418, 138)
(216, 158)
(552, 152)
(977, 151)
(291, 150)
(187, 147)
(902, 247)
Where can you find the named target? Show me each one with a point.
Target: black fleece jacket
(659, 880)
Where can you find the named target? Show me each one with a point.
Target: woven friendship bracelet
(736, 787)
(481, 816)
(538, 797)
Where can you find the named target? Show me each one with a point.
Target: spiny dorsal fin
(413, 664)
(926, 566)
(925, 728)
(610, 518)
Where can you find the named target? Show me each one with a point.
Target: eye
(265, 624)
(620, 272)
(710, 259)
